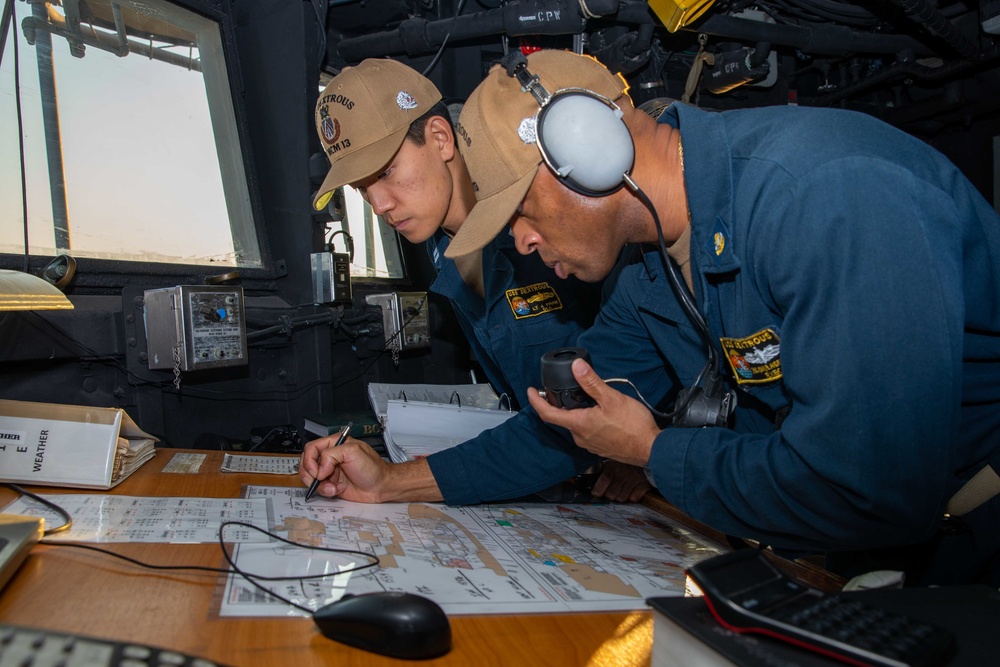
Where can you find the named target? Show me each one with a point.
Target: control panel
(195, 327)
(404, 319)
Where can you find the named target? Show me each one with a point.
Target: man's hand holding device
(617, 427)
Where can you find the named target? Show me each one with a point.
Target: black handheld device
(747, 593)
(561, 388)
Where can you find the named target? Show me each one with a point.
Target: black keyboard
(46, 648)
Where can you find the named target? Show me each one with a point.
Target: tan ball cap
(362, 117)
(502, 157)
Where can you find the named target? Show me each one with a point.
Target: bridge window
(131, 147)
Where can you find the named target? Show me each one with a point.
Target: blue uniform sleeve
(865, 282)
(521, 456)
(524, 454)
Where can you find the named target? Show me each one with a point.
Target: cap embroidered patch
(755, 359)
(405, 100)
(533, 300)
(331, 129)
(526, 130)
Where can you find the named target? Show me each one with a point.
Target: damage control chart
(484, 559)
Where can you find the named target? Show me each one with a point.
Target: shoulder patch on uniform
(755, 359)
(533, 300)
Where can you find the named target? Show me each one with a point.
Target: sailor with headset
(836, 332)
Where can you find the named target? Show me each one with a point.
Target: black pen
(343, 436)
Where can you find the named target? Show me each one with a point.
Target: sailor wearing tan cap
(811, 293)
(388, 134)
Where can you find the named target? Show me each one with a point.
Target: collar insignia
(526, 130)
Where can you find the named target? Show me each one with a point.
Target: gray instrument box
(195, 327)
(404, 319)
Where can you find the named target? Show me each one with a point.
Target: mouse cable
(225, 570)
(374, 560)
(204, 568)
(250, 577)
(135, 561)
(67, 519)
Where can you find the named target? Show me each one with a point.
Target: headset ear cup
(585, 141)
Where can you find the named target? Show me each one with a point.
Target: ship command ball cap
(362, 117)
(496, 137)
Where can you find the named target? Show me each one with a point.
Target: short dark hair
(416, 131)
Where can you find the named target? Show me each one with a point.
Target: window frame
(99, 275)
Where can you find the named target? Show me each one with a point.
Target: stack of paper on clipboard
(420, 419)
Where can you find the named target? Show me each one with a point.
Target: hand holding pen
(340, 440)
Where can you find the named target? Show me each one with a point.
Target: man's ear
(439, 131)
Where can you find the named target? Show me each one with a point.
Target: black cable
(656, 413)
(416, 311)
(348, 241)
(678, 285)
(226, 570)
(95, 355)
(841, 11)
(68, 520)
(263, 440)
(437, 56)
(230, 395)
(287, 324)
(828, 11)
(207, 394)
(233, 569)
(267, 591)
(385, 347)
(687, 304)
(801, 13)
(355, 552)
(367, 316)
(135, 561)
(196, 392)
(292, 307)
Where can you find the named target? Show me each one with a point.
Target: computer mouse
(400, 625)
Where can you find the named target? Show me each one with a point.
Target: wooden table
(72, 590)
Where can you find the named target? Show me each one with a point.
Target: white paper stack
(420, 419)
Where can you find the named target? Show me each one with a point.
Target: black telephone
(746, 593)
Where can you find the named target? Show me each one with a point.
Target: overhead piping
(928, 16)
(826, 40)
(907, 67)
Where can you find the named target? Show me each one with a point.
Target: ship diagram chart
(496, 558)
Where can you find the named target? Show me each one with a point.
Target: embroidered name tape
(533, 300)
